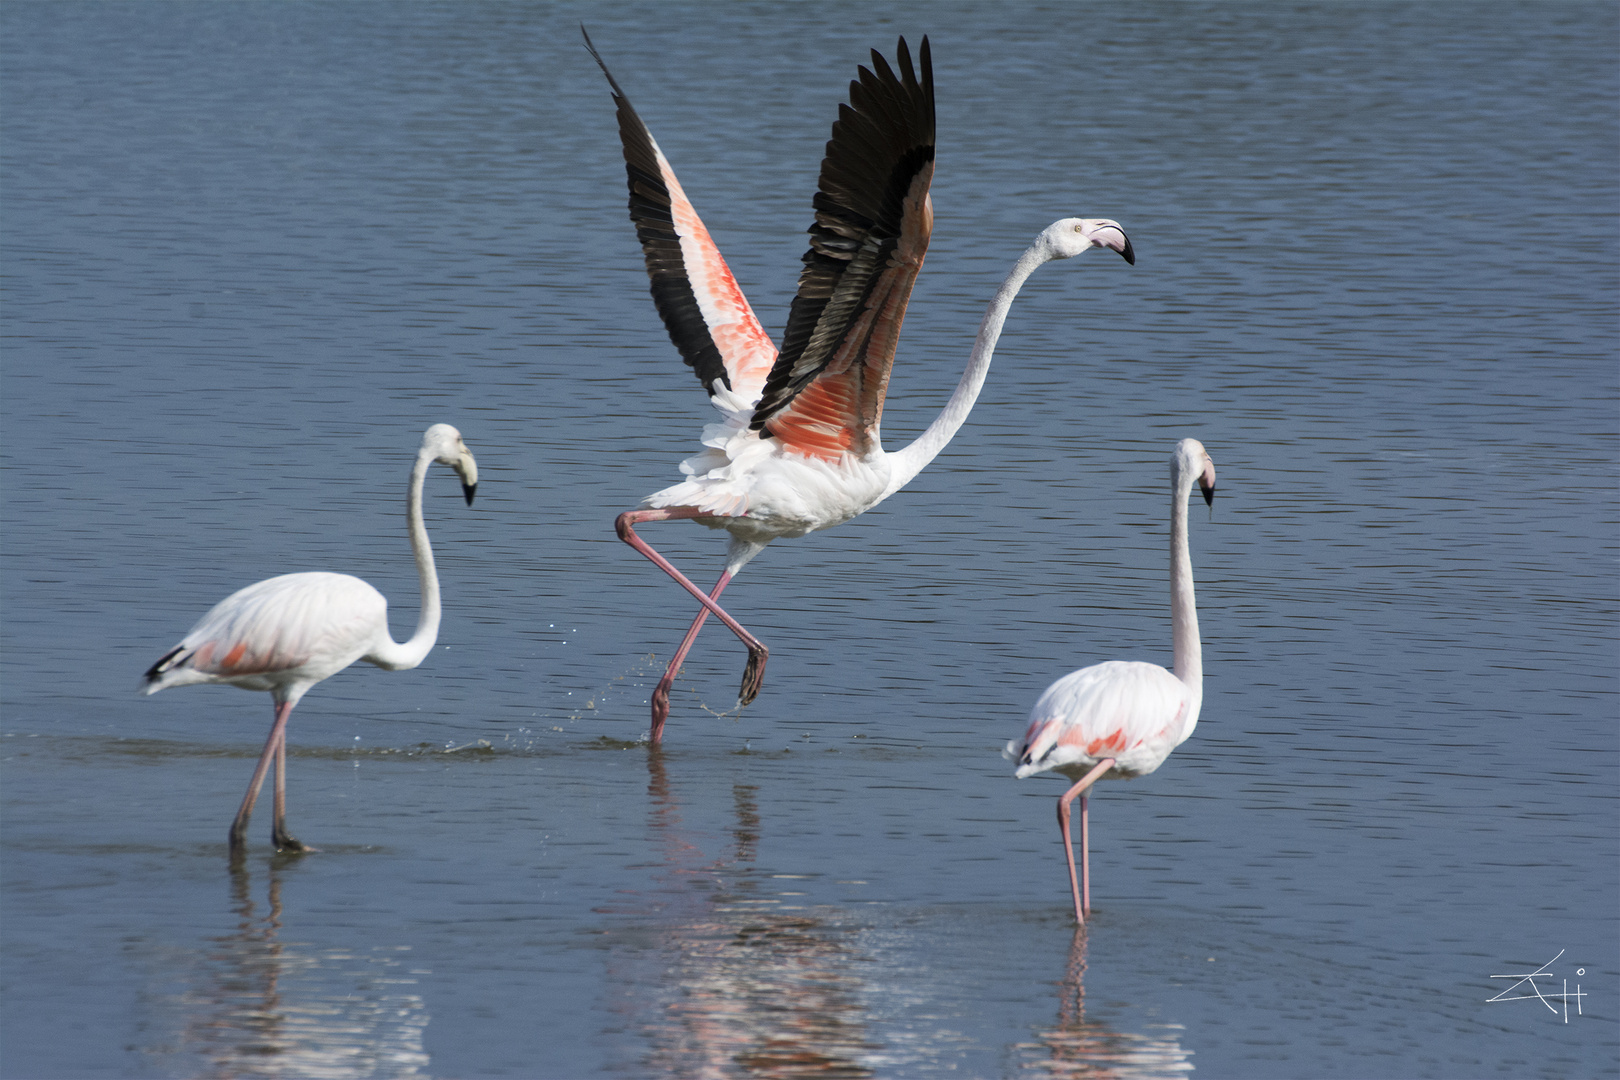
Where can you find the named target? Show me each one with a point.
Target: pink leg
(283, 840)
(753, 674)
(660, 698)
(1085, 851)
(1080, 907)
(277, 730)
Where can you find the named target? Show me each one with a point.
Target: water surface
(252, 251)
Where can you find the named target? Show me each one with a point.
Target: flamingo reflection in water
(261, 1007)
(741, 981)
(1078, 1047)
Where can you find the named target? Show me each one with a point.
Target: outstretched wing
(825, 393)
(706, 314)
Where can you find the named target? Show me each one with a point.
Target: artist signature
(1548, 996)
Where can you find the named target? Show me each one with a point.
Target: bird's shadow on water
(707, 966)
(254, 1003)
(714, 961)
(1076, 1046)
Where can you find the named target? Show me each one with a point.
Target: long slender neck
(399, 656)
(1189, 659)
(906, 463)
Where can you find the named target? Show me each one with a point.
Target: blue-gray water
(252, 251)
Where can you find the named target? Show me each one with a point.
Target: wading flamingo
(1121, 718)
(798, 447)
(287, 633)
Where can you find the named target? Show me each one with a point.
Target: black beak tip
(469, 490)
(1127, 253)
(1209, 496)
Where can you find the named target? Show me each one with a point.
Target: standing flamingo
(287, 633)
(1121, 718)
(798, 448)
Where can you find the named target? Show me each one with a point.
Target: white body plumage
(283, 635)
(1133, 712)
(759, 491)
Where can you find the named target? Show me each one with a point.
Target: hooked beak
(1206, 484)
(1105, 239)
(1130, 256)
(467, 468)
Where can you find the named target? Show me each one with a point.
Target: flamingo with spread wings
(797, 448)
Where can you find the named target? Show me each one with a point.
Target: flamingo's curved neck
(906, 463)
(400, 656)
(1189, 659)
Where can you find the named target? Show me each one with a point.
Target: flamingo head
(1192, 461)
(1069, 237)
(443, 443)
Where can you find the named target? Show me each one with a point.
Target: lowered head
(1069, 237)
(1191, 461)
(444, 444)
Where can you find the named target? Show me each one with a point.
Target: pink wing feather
(873, 219)
(708, 318)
